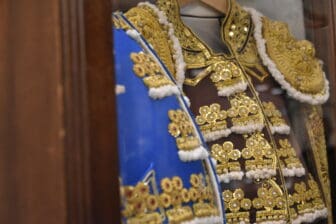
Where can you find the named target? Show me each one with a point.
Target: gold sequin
(237, 31)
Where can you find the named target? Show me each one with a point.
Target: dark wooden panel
(101, 101)
(91, 151)
(32, 186)
(58, 156)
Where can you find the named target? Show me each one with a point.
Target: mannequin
(220, 6)
(204, 20)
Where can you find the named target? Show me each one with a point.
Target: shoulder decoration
(161, 84)
(291, 62)
(155, 28)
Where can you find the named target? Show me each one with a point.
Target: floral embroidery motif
(227, 167)
(270, 203)
(308, 201)
(153, 76)
(182, 129)
(245, 114)
(260, 158)
(278, 124)
(178, 203)
(140, 205)
(291, 166)
(187, 141)
(237, 206)
(212, 122)
(227, 77)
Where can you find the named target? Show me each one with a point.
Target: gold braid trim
(315, 128)
(147, 23)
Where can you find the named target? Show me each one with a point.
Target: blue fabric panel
(144, 140)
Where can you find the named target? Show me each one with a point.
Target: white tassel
(281, 129)
(199, 153)
(228, 91)
(205, 220)
(273, 222)
(120, 89)
(215, 135)
(260, 41)
(134, 35)
(163, 91)
(260, 173)
(226, 178)
(249, 128)
(311, 216)
(294, 172)
(187, 100)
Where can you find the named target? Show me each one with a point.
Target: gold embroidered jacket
(242, 101)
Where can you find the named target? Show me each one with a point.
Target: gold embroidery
(237, 32)
(211, 118)
(315, 127)
(237, 27)
(182, 129)
(244, 111)
(270, 203)
(294, 59)
(140, 205)
(223, 154)
(147, 69)
(287, 152)
(307, 198)
(258, 148)
(119, 23)
(196, 54)
(172, 196)
(146, 22)
(236, 206)
(273, 114)
(203, 199)
(224, 73)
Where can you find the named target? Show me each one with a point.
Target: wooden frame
(89, 99)
(58, 157)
